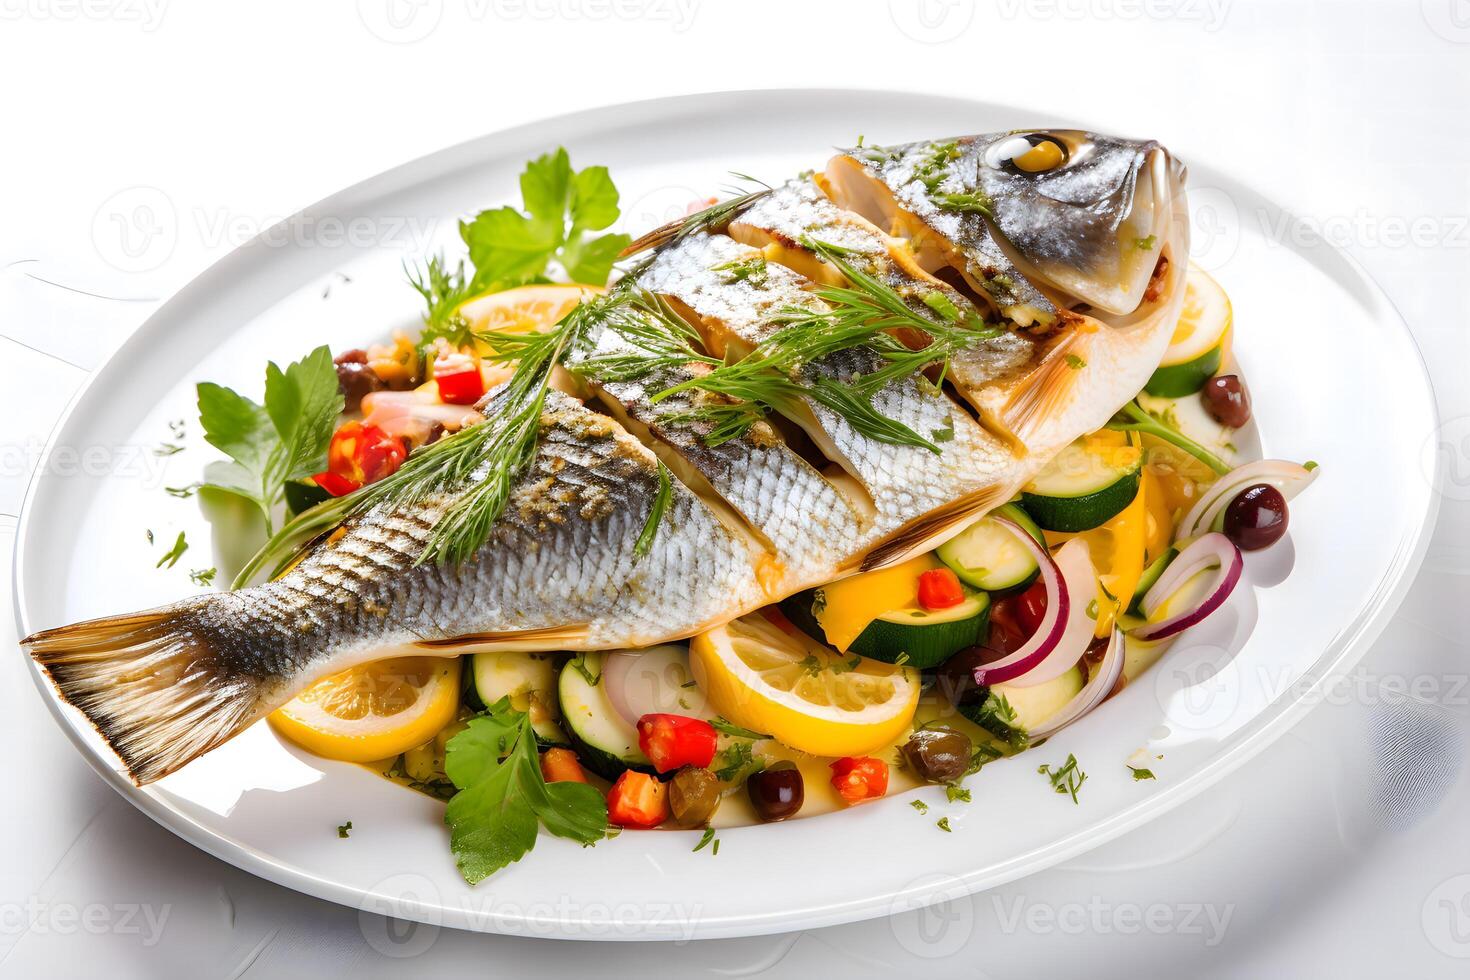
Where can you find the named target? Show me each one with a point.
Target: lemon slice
(801, 693)
(1203, 321)
(374, 711)
(525, 308)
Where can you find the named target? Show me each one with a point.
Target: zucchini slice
(529, 680)
(1150, 576)
(1178, 380)
(1010, 712)
(988, 556)
(919, 638)
(1085, 485)
(605, 743)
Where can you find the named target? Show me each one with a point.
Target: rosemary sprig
(865, 313)
(1132, 418)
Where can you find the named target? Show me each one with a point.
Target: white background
(143, 139)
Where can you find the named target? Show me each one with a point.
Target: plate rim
(1275, 719)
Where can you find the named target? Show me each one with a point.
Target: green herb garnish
(644, 544)
(957, 793)
(344, 830)
(1075, 363)
(1146, 244)
(172, 556)
(1139, 773)
(184, 492)
(735, 731)
(919, 805)
(1133, 418)
(202, 576)
(284, 439)
(1068, 779)
(707, 838)
(861, 314)
(943, 825)
(502, 795)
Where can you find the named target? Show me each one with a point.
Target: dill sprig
(865, 313)
(715, 216)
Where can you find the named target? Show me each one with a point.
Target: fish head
(1082, 213)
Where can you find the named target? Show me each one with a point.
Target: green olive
(694, 796)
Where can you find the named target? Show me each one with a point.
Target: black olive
(1227, 400)
(1257, 517)
(938, 755)
(355, 380)
(956, 676)
(776, 793)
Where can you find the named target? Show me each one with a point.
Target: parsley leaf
(503, 796)
(510, 247)
(284, 439)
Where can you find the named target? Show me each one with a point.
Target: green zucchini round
(1178, 380)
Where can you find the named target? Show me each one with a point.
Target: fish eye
(1031, 153)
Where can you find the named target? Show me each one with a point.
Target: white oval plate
(1335, 378)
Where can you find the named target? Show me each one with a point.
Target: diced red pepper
(860, 779)
(674, 741)
(337, 486)
(459, 379)
(637, 800)
(1031, 607)
(939, 588)
(561, 766)
(358, 455)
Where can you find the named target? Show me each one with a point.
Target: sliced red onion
(1100, 683)
(1053, 621)
(1074, 561)
(1209, 550)
(616, 667)
(646, 682)
(1290, 478)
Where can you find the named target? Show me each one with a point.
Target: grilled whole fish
(1073, 244)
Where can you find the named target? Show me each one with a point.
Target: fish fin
(1035, 397)
(544, 638)
(933, 529)
(151, 683)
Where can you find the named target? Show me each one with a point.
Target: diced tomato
(674, 741)
(939, 588)
(561, 766)
(337, 486)
(637, 800)
(358, 455)
(459, 379)
(1031, 607)
(860, 779)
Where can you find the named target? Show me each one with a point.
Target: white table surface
(145, 138)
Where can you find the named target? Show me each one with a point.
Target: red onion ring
(1074, 561)
(1288, 477)
(1212, 549)
(1053, 623)
(615, 669)
(1100, 684)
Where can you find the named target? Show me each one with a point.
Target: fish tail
(154, 684)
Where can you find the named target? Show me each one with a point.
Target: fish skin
(779, 222)
(800, 516)
(900, 481)
(561, 570)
